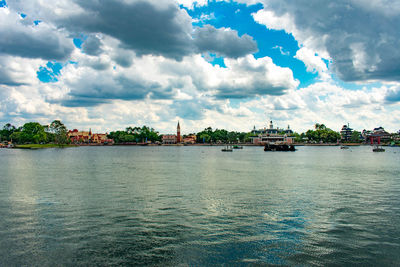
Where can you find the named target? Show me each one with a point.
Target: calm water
(199, 206)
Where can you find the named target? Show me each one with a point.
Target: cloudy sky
(109, 64)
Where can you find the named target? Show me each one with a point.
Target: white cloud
(360, 37)
(17, 70)
(24, 39)
(313, 62)
(327, 103)
(117, 83)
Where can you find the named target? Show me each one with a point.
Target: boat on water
(227, 149)
(378, 149)
(279, 147)
(344, 147)
(237, 147)
(377, 144)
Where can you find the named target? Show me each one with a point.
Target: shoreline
(42, 146)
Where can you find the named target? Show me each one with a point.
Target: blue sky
(223, 64)
(238, 16)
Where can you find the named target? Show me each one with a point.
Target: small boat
(377, 145)
(378, 149)
(227, 149)
(344, 147)
(237, 147)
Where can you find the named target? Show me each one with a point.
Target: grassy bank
(38, 146)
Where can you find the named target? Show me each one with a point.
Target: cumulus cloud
(18, 71)
(327, 103)
(140, 64)
(224, 42)
(393, 94)
(360, 36)
(31, 41)
(146, 27)
(160, 78)
(313, 62)
(248, 77)
(92, 46)
(244, 77)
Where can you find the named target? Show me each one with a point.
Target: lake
(198, 206)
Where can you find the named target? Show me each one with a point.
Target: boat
(377, 144)
(279, 147)
(344, 147)
(378, 149)
(227, 149)
(237, 147)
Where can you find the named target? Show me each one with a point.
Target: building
(178, 133)
(82, 137)
(169, 139)
(190, 139)
(79, 136)
(272, 135)
(99, 138)
(346, 133)
(172, 138)
(378, 132)
(384, 136)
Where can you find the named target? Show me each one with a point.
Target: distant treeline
(209, 135)
(135, 135)
(56, 132)
(35, 133)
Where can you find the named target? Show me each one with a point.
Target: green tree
(355, 137)
(60, 132)
(135, 134)
(33, 132)
(7, 131)
(321, 134)
(15, 137)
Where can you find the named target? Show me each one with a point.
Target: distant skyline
(107, 65)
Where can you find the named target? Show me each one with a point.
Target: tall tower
(178, 133)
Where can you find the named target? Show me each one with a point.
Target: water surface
(199, 206)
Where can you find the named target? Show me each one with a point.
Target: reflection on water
(198, 206)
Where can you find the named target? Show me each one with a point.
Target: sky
(107, 65)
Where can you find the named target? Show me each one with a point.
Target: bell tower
(178, 133)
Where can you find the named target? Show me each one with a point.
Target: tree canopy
(135, 135)
(60, 132)
(221, 136)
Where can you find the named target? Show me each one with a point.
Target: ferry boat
(378, 149)
(227, 149)
(279, 147)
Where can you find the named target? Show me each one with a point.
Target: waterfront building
(380, 132)
(169, 139)
(178, 133)
(190, 139)
(83, 137)
(272, 135)
(99, 138)
(172, 138)
(79, 136)
(346, 132)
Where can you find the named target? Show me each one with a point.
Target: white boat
(227, 149)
